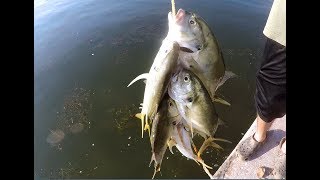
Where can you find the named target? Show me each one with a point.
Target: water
(87, 51)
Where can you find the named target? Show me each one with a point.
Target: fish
(162, 127)
(181, 138)
(157, 81)
(195, 106)
(199, 51)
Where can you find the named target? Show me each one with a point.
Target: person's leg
(262, 128)
(270, 96)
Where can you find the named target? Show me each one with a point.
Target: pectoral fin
(220, 100)
(141, 76)
(171, 143)
(141, 116)
(152, 159)
(209, 142)
(227, 75)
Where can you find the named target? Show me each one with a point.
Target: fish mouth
(180, 16)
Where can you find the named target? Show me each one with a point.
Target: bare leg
(251, 144)
(262, 128)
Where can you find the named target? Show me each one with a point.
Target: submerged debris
(55, 137)
(76, 128)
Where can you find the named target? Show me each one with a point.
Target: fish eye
(191, 21)
(190, 99)
(198, 47)
(186, 79)
(174, 123)
(170, 104)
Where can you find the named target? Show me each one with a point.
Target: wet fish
(181, 138)
(157, 80)
(195, 106)
(200, 53)
(161, 131)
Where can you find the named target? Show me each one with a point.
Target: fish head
(183, 86)
(187, 29)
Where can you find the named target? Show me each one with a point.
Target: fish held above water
(195, 106)
(193, 102)
(181, 138)
(204, 57)
(157, 80)
(161, 131)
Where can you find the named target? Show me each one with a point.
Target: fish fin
(141, 116)
(152, 159)
(147, 126)
(227, 75)
(171, 143)
(190, 127)
(200, 160)
(155, 171)
(141, 76)
(223, 140)
(138, 115)
(196, 161)
(156, 165)
(207, 171)
(194, 147)
(208, 142)
(220, 100)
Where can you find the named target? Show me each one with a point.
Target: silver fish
(157, 80)
(204, 56)
(162, 128)
(195, 106)
(181, 138)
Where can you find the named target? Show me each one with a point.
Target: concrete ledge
(235, 168)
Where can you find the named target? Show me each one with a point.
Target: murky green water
(87, 51)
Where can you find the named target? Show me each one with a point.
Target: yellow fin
(141, 116)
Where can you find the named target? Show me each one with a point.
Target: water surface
(85, 54)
